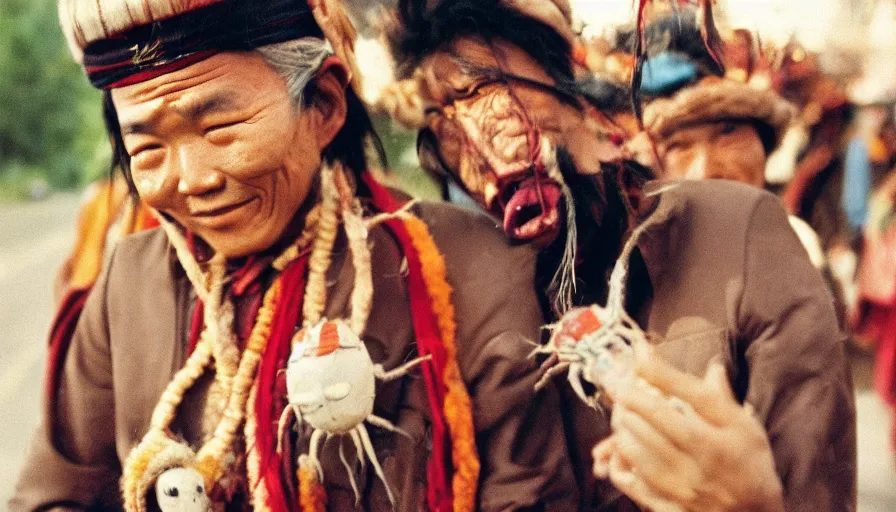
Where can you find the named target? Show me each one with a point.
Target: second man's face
(730, 150)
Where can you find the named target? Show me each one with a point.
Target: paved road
(33, 238)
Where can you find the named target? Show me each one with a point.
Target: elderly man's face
(729, 150)
(492, 105)
(219, 147)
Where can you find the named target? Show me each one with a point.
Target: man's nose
(698, 168)
(197, 174)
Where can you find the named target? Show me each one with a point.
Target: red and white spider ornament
(596, 344)
(330, 381)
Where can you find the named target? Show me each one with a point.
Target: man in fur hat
(238, 122)
(701, 124)
(718, 275)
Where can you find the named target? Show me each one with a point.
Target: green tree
(50, 121)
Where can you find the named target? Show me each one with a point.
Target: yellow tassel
(312, 497)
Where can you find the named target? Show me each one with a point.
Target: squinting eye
(729, 128)
(337, 391)
(144, 150)
(475, 89)
(222, 126)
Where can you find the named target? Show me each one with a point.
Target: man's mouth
(532, 208)
(220, 216)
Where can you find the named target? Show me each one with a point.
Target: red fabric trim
(268, 404)
(149, 74)
(61, 337)
(439, 467)
(196, 326)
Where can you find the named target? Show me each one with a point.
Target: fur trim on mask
(717, 99)
(556, 14)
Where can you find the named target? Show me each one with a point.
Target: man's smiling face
(220, 147)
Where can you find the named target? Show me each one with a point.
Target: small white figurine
(596, 344)
(330, 382)
(594, 347)
(182, 490)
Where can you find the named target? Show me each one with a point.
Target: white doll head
(330, 378)
(182, 490)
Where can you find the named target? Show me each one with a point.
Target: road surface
(35, 236)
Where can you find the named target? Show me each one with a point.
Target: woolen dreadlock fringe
(142, 466)
(322, 250)
(356, 231)
(457, 406)
(563, 284)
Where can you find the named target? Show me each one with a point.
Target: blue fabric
(856, 183)
(667, 71)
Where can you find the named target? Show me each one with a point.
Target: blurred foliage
(401, 154)
(51, 126)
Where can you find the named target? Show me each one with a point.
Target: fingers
(629, 483)
(683, 430)
(660, 449)
(662, 467)
(710, 397)
(602, 454)
(716, 378)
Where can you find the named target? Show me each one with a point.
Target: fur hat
(717, 99)
(556, 14)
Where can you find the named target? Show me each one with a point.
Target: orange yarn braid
(458, 408)
(312, 497)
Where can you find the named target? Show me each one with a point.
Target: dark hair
(767, 136)
(605, 95)
(676, 32)
(348, 146)
(421, 31)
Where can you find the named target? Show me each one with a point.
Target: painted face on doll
(730, 150)
(330, 378)
(182, 490)
(495, 116)
(221, 147)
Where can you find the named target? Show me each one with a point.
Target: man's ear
(329, 106)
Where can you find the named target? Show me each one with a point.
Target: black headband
(164, 46)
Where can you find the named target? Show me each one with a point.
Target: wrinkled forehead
(226, 81)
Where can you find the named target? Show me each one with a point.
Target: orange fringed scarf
(430, 297)
(458, 409)
(312, 497)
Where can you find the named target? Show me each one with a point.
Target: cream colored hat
(126, 41)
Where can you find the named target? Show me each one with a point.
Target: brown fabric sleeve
(799, 381)
(522, 447)
(72, 462)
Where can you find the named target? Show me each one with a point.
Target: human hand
(681, 443)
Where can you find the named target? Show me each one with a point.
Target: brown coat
(132, 336)
(729, 279)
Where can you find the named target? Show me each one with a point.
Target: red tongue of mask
(533, 208)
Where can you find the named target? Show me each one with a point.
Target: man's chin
(233, 246)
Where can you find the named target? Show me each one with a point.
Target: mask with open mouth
(488, 144)
(513, 165)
